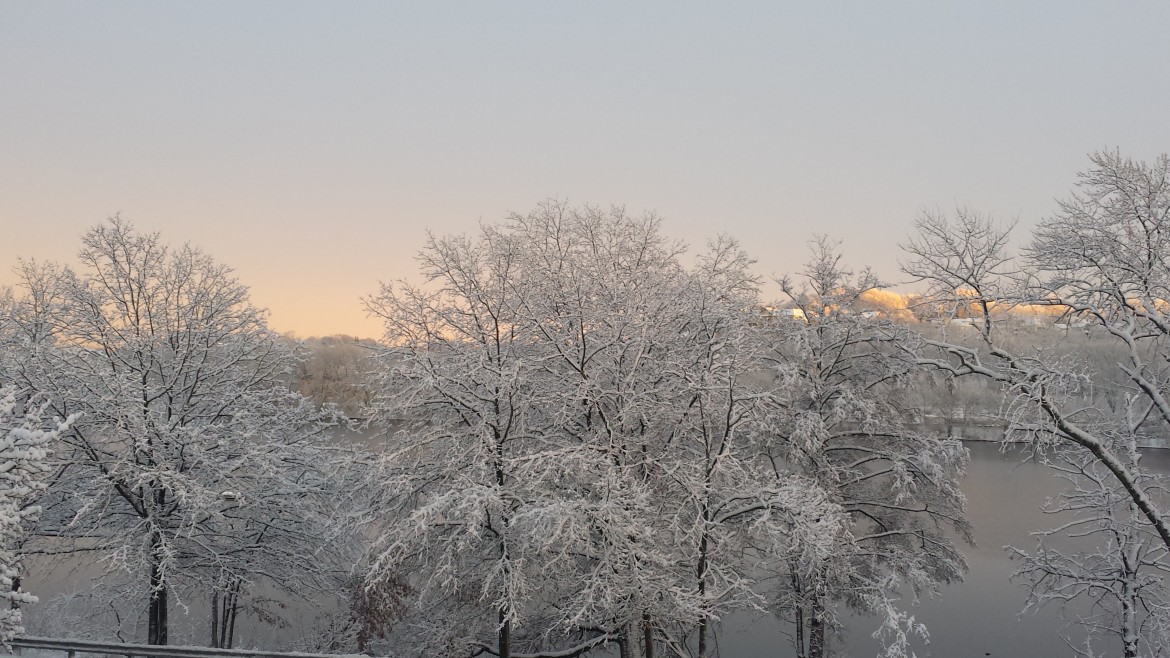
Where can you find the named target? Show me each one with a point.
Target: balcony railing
(73, 647)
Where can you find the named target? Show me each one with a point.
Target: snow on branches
(842, 423)
(584, 446)
(1100, 264)
(192, 468)
(25, 435)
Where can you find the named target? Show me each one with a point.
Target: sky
(310, 146)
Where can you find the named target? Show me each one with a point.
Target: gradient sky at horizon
(311, 145)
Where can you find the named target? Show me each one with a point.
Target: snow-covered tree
(844, 423)
(741, 503)
(1101, 260)
(25, 436)
(664, 365)
(461, 484)
(598, 299)
(572, 407)
(192, 469)
(1119, 580)
(334, 372)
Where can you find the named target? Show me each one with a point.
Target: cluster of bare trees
(576, 337)
(336, 370)
(591, 438)
(189, 469)
(597, 443)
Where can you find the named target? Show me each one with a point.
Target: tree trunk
(816, 629)
(231, 610)
(799, 640)
(629, 642)
(1129, 623)
(225, 603)
(215, 619)
(647, 635)
(505, 640)
(701, 573)
(703, 638)
(1129, 596)
(798, 615)
(156, 628)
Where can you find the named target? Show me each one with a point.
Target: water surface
(981, 615)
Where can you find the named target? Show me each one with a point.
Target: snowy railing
(73, 647)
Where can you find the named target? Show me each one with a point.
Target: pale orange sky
(309, 146)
